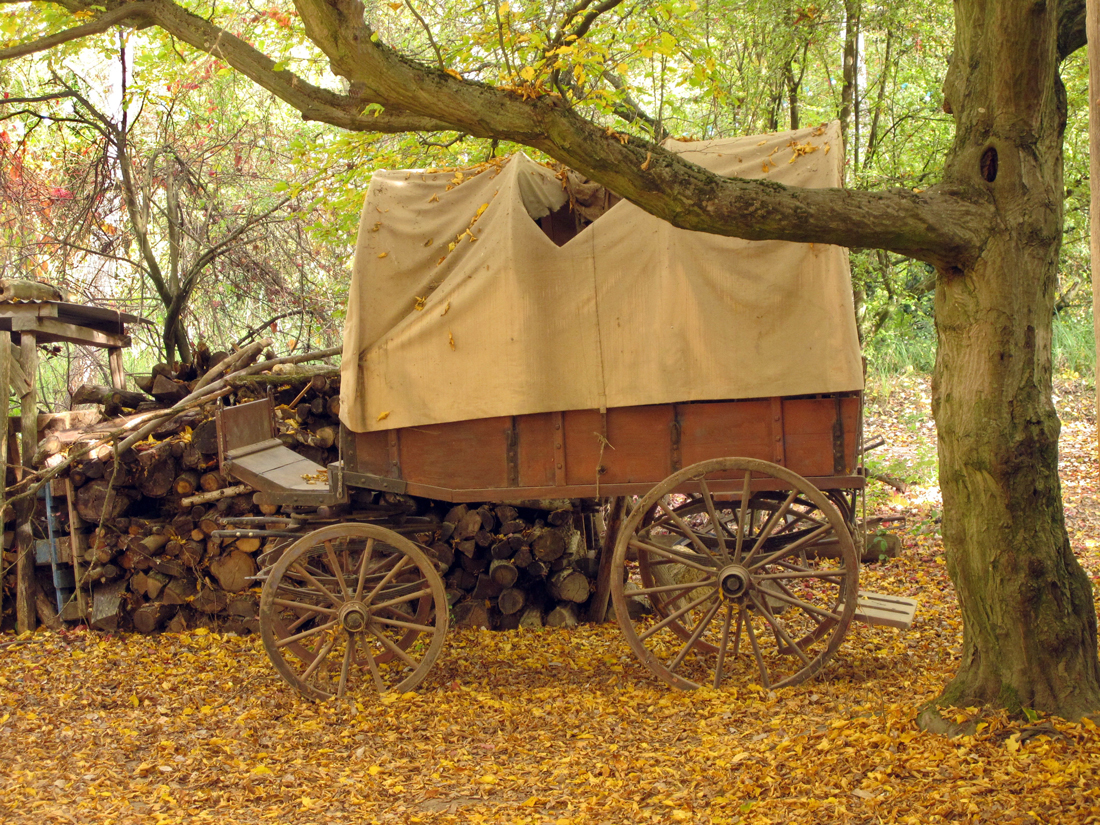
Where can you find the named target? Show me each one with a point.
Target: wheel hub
(734, 581)
(353, 617)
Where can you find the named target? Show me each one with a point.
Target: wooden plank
(459, 454)
(267, 460)
(44, 310)
(26, 617)
(49, 330)
(880, 610)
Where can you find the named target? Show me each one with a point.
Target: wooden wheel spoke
(364, 560)
(376, 675)
(672, 617)
(769, 525)
(345, 665)
(305, 634)
(313, 581)
(687, 532)
(337, 570)
(322, 654)
(394, 649)
(312, 608)
(386, 579)
(696, 632)
(423, 628)
(764, 677)
(722, 645)
(686, 559)
(746, 493)
(780, 632)
(798, 572)
(402, 599)
(793, 547)
(737, 632)
(708, 501)
(783, 595)
(672, 588)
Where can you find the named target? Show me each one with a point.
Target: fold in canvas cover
(461, 307)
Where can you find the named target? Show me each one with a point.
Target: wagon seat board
(509, 329)
(250, 452)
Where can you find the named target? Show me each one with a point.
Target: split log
(504, 573)
(531, 618)
(564, 615)
(151, 617)
(234, 571)
(108, 397)
(186, 483)
(471, 614)
(570, 585)
(95, 502)
(212, 481)
(179, 590)
(548, 544)
(168, 390)
(511, 600)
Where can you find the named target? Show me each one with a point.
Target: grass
(909, 347)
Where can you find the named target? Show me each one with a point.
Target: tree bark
(1029, 623)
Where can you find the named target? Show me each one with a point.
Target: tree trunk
(1029, 623)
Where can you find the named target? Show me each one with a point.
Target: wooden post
(25, 616)
(1092, 32)
(118, 374)
(5, 383)
(76, 547)
(597, 608)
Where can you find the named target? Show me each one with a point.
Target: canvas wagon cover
(461, 307)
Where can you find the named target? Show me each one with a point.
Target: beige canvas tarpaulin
(461, 307)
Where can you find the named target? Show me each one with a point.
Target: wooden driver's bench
(249, 451)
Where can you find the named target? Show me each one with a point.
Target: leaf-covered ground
(555, 726)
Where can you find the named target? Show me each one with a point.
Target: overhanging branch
(939, 225)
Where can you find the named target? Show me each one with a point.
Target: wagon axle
(353, 617)
(733, 581)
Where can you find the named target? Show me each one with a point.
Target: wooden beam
(28, 310)
(118, 373)
(1092, 34)
(25, 615)
(49, 330)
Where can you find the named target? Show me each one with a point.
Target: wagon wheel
(753, 587)
(353, 602)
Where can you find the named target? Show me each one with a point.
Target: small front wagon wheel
(751, 572)
(353, 604)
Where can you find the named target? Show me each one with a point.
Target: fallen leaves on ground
(550, 726)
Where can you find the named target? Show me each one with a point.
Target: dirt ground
(558, 726)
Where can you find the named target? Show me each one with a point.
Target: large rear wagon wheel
(353, 606)
(746, 587)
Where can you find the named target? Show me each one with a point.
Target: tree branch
(943, 226)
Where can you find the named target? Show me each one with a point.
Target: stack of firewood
(513, 566)
(141, 526)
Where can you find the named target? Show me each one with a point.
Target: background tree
(991, 228)
(215, 210)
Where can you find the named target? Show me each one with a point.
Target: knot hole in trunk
(989, 165)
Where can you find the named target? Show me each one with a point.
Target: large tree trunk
(1029, 624)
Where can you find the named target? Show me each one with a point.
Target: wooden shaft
(26, 616)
